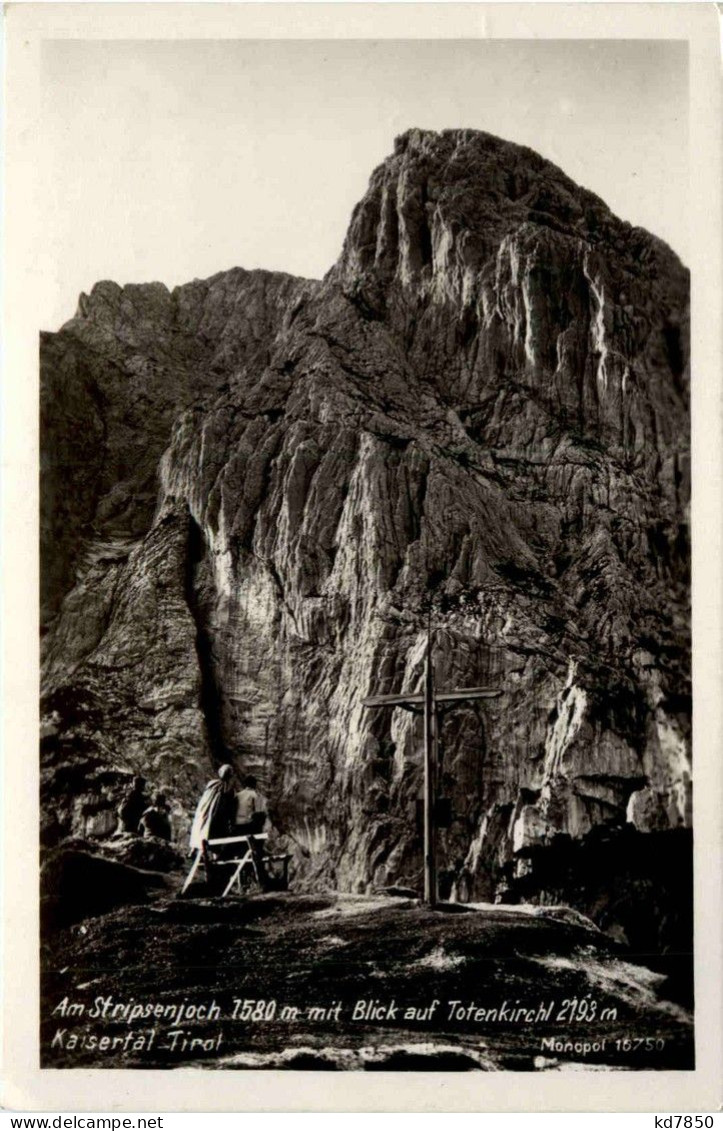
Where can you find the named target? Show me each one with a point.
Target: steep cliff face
(256, 488)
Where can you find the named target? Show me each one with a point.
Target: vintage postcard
(357, 403)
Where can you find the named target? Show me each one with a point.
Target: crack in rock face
(256, 487)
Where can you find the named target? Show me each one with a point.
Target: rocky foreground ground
(353, 982)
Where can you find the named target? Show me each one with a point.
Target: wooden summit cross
(428, 703)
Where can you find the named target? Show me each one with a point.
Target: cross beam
(411, 701)
(429, 701)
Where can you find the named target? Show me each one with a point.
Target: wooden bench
(243, 857)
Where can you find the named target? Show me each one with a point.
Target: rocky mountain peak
(443, 203)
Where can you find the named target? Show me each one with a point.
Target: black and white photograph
(365, 696)
(366, 705)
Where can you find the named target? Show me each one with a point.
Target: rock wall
(480, 416)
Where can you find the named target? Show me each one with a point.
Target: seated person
(132, 806)
(156, 819)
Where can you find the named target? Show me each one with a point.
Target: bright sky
(173, 160)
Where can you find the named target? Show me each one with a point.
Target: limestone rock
(482, 410)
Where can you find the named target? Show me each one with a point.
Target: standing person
(250, 819)
(250, 808)
(215, 811)
(133, 805)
